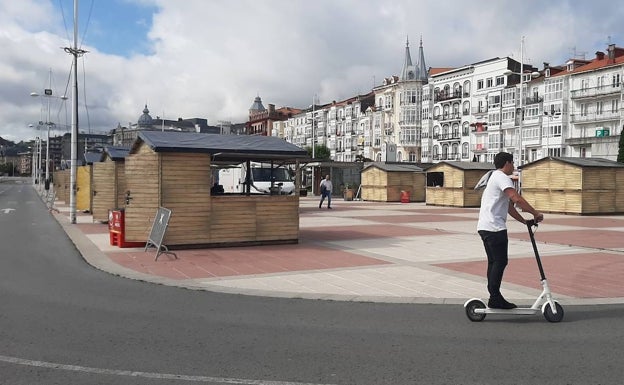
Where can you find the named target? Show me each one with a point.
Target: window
(616, 80)
(479, 84)
(583, 109)
(614, 105)
(500, 80)
(599, 105)
(489, 82)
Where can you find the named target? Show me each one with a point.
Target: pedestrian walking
(326, 191)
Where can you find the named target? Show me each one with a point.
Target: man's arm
(517, 199)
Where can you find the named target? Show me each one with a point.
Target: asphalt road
(64, 322)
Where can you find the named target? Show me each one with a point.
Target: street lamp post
(521, 99)
(47, 93)
(550, 116)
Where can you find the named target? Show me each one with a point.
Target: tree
(320, 152)
(620, 157)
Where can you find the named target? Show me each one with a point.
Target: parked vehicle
(264, 179)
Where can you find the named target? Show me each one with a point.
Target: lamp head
(34, 94)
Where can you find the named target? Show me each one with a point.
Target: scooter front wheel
(470, 310)
(549, 315)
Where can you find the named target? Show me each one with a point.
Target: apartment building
(472, 112)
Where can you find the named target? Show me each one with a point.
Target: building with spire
(397, 116)
(263, 121)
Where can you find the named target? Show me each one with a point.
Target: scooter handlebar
(531, 223)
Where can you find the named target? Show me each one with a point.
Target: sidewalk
(383, 252)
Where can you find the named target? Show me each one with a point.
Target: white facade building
(472, 112)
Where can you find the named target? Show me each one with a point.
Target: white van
(233, 179)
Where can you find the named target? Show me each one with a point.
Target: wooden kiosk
(451, 183)
(109, 182)
(174, 170)
(574, 185)
(61, 185)
(385, 182)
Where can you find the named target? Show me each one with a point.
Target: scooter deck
(518, 310)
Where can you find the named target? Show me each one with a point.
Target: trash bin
(405, 196)
(116, 229)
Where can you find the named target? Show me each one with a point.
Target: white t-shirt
(495, 203)
(327, 184)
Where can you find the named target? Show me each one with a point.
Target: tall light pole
(75, 52)
(47, 93)
(521, 99)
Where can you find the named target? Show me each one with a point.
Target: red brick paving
(587, 275)
(600, 239)
(586, 222)
(416, 218)
(92, 228)
(224, 262)
(338, 233)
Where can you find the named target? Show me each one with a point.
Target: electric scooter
(476, 309)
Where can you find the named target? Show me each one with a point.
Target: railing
(443, 96)
(595, 91)
(447, 136)
(533, 100)
(593, 116)
(448, 116)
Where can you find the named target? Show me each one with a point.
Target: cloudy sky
(211, 58)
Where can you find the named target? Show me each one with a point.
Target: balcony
(479, 148)
(594, 117)
(451, 156)
(443, 96)
(479, 110)
(448, 117)
(596, 91)
(447, 136)
(533, 100)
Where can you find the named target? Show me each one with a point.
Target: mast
(75, 52)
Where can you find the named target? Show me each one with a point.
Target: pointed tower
(423, 74)
(409, 71)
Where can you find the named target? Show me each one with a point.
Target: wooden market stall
(389, 182)
(109, 182)
(60, 179)
(174, 170)
(84, 181)
(451, 183)
(574, 185)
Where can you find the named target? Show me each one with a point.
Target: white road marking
(159, 376)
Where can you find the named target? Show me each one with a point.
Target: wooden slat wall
(61, 185)
(383, 186)
(277, 218)
(104, 189)
(186, 182)
(120, 177)
(181, 182)
(458, 189)
(142, 170)
(83, 188)
(559, 187)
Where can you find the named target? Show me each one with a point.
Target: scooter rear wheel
(550, 316)
(470, 310)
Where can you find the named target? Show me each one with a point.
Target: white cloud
(211, 58)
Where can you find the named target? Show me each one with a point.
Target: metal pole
(520, 159)
(39, 161)
(313, 142)
(74, 128)
(47, 174)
